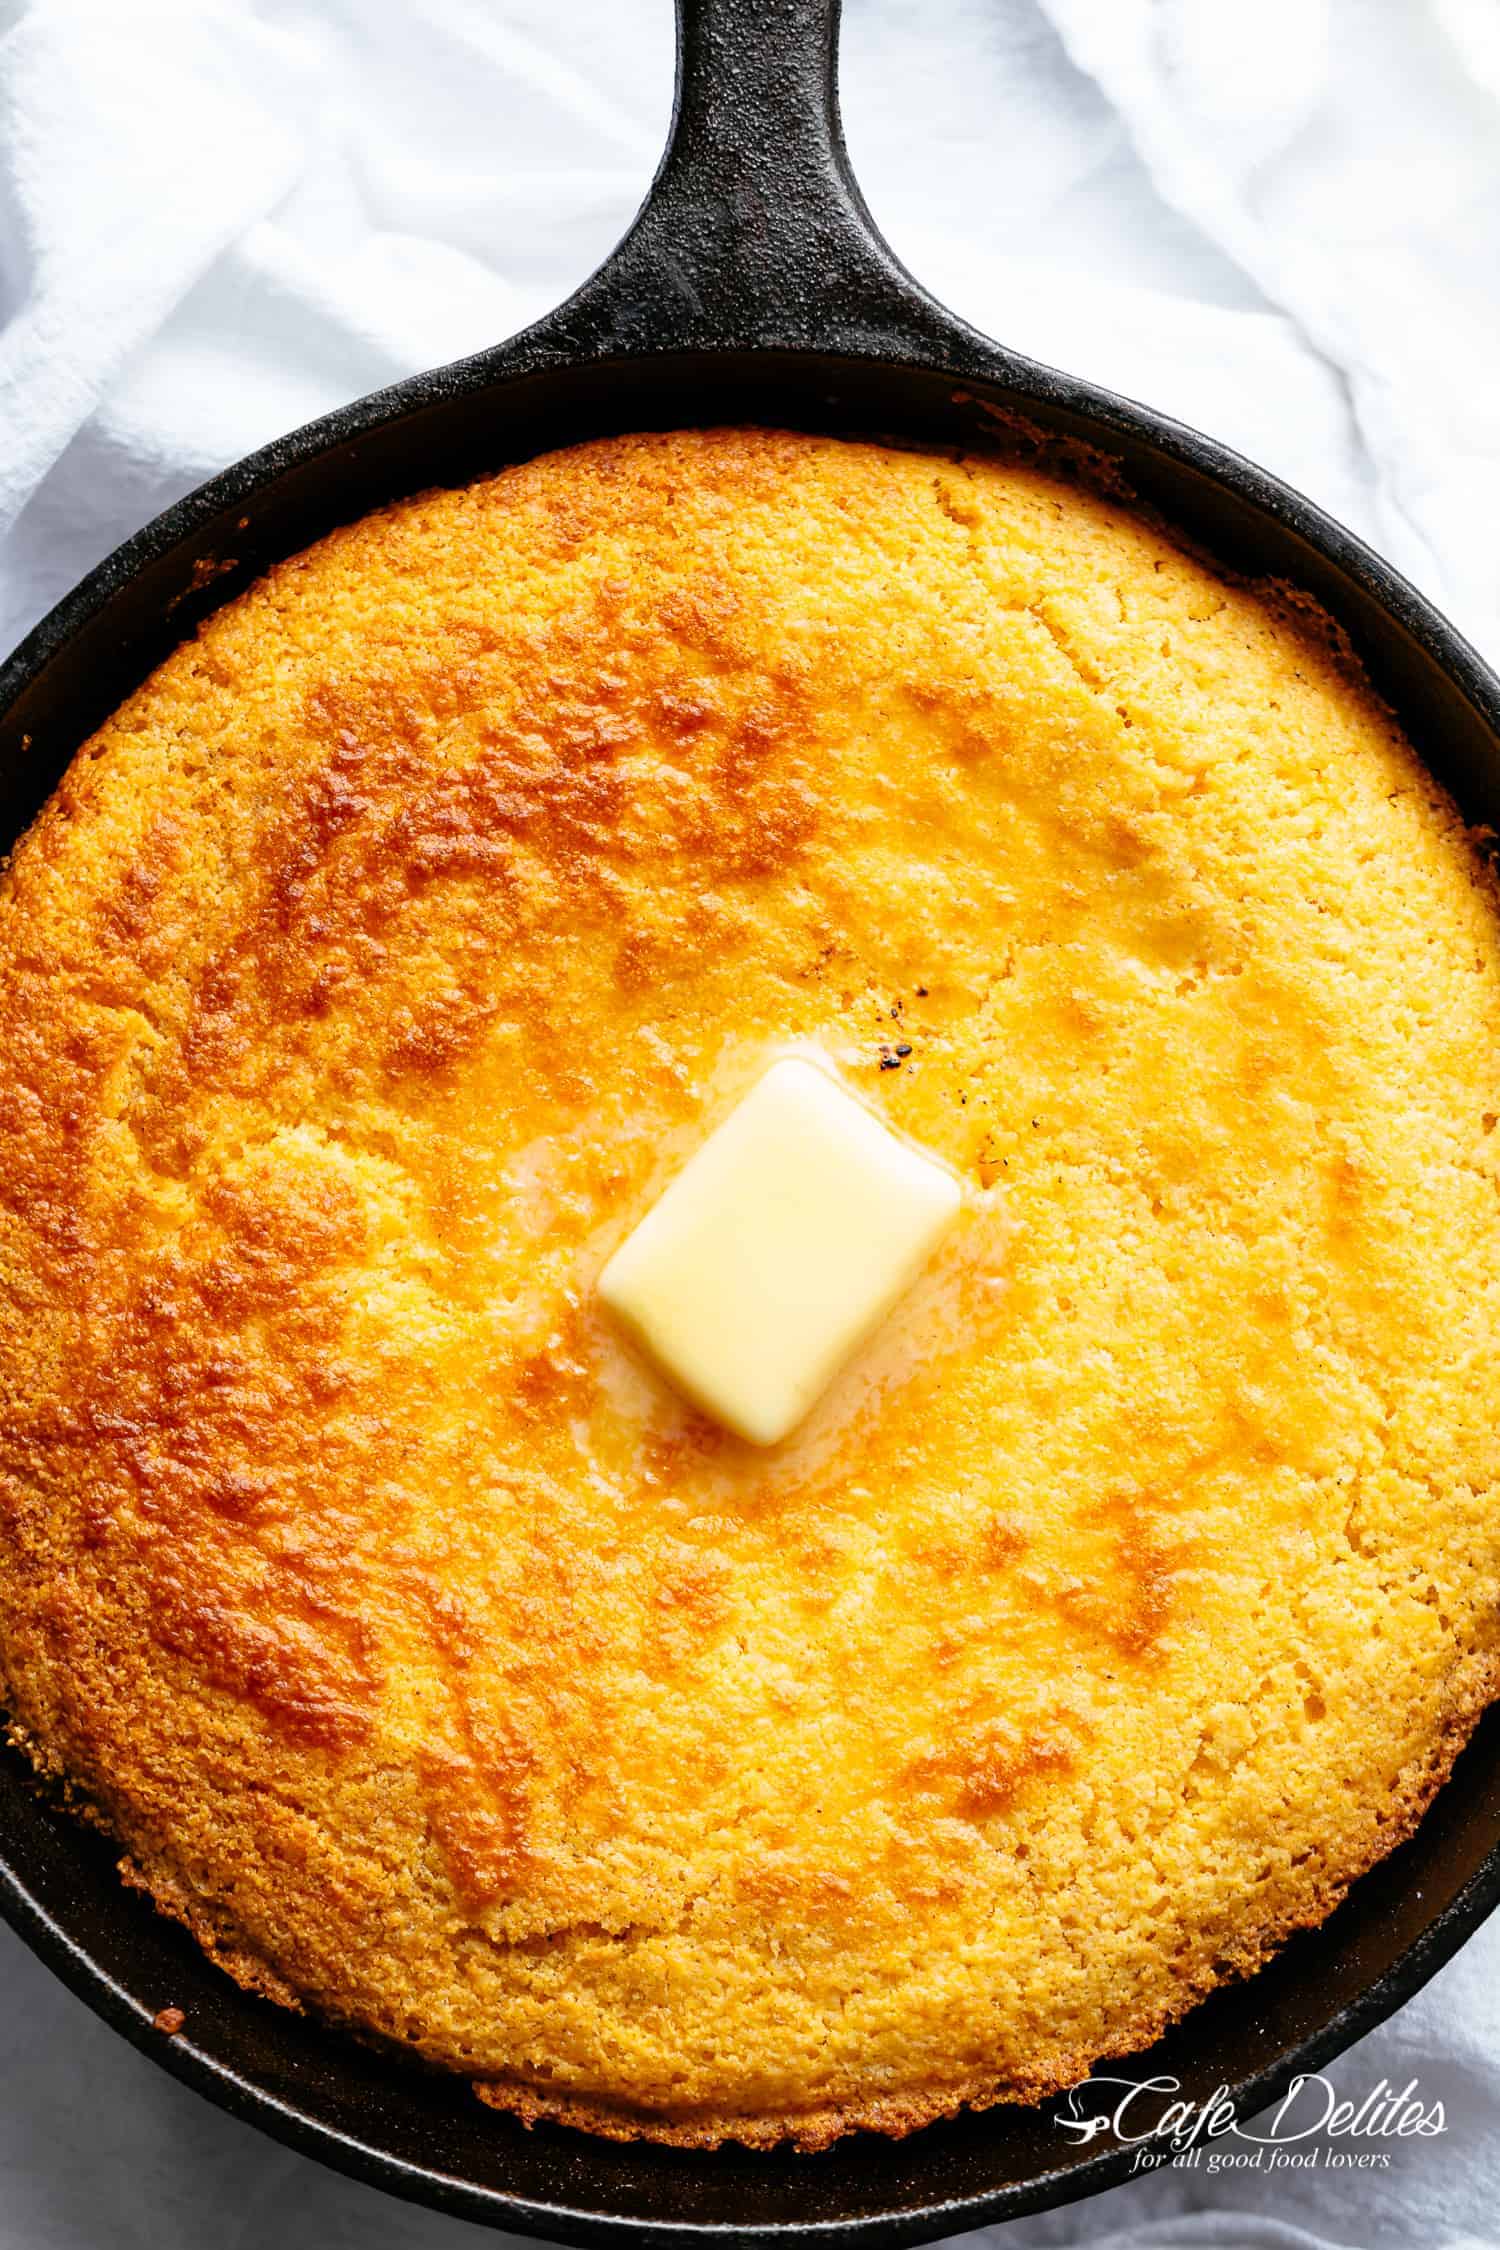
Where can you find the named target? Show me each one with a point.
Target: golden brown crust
(367, 975)
(812, 2130)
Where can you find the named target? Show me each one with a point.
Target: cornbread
(371, 973)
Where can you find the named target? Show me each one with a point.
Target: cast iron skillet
(753, 286)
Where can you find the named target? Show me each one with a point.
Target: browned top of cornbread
(369, 973)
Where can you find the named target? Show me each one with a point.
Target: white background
(1278, 220)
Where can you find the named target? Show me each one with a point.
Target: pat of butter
(777, 1250)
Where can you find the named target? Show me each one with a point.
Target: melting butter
(777, 1250)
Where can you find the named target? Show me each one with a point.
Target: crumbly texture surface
(372, 970)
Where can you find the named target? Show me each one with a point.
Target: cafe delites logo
(1312, 2127)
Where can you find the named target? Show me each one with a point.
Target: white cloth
(217, 218)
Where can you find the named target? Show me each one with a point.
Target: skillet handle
(754, 235)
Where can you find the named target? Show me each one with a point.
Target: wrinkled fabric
(217, 219)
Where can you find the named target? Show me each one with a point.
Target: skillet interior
(754, 289)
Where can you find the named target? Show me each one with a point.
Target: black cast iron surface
(753, 286)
